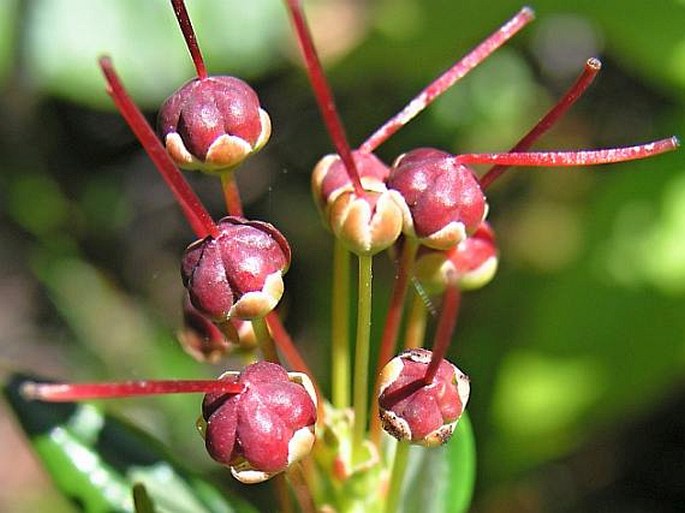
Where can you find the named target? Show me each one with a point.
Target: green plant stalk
(361, 356)
(399, 466)
(266, 343)
(340, 327)
(283, 494)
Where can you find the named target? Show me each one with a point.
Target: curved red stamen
(189, 35)
(69, 392)
(196, 214)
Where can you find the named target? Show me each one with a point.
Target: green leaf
(441, 480)
(95, 460)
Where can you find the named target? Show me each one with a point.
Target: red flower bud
(265, 428)
(213, 124)
(239, 273)
(471, 264)
(443, 202)
(330, 178)
(200, 337)
(368, 224)
(421, 413)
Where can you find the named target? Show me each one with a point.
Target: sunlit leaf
(441, 480)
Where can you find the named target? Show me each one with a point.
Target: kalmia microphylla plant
(428, 208)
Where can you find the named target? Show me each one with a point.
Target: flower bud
(424, 414)
(471, 264)
(366, 225)
(207, 342)
(264, 429)
(201, 338)
(443, 202)
(213, 124)
(239, 273)
(330, 178)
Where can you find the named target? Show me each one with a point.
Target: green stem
(283, 494)
(399, 467)
(301, 489)
(340, 327)
(266, 343)
(361, 356)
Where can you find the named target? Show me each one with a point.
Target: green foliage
(442, 479)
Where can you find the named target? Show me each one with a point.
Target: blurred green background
(576, 351)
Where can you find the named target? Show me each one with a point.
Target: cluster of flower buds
(264, 429)
(261, 420)
(417, 411)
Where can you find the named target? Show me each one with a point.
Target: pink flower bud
(201, 338)
(330, 178)
(265, 428)
(471, 264)
(421, 413)
(239, 273)
(366, 225)
(213, 124)
(443, 202)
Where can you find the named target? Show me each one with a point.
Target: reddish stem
(292, 355)
(231, 194)
(592, 67)
(189, 35)
(196, 214)
(287, 347)
(392, 325)
(571, 158)
(323, 94)
(451, 300)
(68, 392)
(448, 79)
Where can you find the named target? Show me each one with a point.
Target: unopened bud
(470, 265)
(420, 413)
(443, 202)
(264, 429)
(213, 124)
(238, 273)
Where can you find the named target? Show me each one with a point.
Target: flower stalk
(361, 357)
(340, 331)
